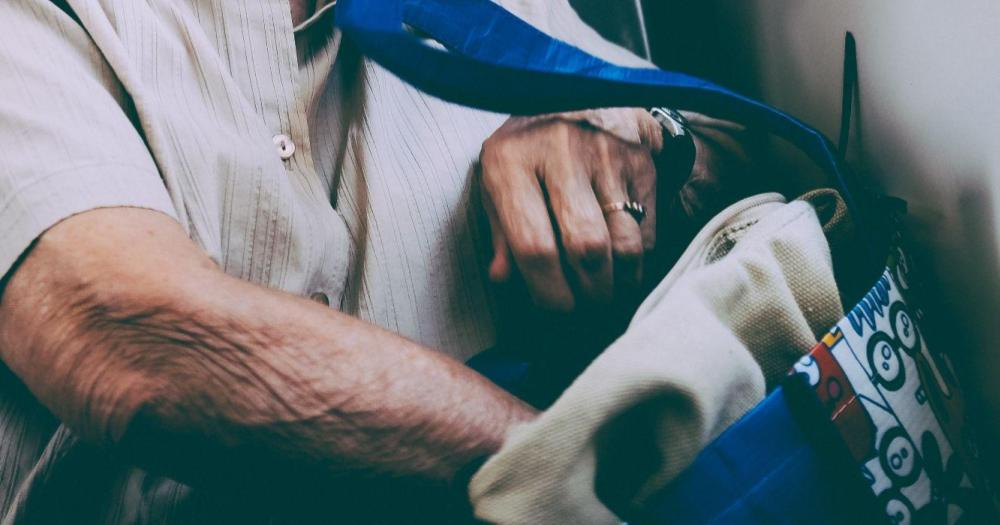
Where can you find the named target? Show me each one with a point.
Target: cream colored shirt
(293, 162)
(352, 188)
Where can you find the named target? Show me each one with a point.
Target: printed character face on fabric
(897, 406)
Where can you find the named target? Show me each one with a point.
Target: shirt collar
(322, 6)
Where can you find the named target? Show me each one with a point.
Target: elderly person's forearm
(115, 314)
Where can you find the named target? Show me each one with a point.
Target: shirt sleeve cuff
(31, 209)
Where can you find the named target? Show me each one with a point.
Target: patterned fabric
(347, 186)
(899, 408)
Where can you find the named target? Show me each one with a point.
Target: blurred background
(927, 127)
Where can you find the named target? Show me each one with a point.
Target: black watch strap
(675, 161)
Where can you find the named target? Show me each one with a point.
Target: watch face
(675, 161)
(672, 121)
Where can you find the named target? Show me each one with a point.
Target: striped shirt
(291, 160)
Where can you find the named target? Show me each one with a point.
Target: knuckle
(563, 129)
(534, 254)
(629, 249)
(490, 177)
(588, 247)
(492, 151)
(494, 174)
(498, 151)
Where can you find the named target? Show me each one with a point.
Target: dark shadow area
(950, 323)
(617, 21)
(688, 36)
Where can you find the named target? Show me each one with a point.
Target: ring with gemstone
(636, 210)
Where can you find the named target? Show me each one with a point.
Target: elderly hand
(545, 183)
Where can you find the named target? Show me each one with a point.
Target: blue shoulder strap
(493, 60)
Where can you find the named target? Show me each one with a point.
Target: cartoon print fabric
(898, 406)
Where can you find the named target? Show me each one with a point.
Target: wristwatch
(676, 160)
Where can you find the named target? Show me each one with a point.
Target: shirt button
(320, 298)
(285, 146)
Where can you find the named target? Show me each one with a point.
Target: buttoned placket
(278, 92)
(296, 145)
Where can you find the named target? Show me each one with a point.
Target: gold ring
(636, 210)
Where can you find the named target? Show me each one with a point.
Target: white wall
(930, 131)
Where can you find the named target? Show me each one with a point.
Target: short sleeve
(67, 144)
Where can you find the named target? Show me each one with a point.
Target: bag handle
(849, 91)
(495, 61)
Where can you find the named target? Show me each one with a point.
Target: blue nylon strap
(498, 62)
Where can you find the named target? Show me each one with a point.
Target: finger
(583, 231)
(500, 265)
(524, 219)
(610, 185)
(641, 178)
